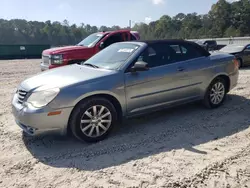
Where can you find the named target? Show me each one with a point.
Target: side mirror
(101, 46)
(140, 66)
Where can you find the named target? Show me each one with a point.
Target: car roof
(206, 40)
(116, 31)
(161, 41)
(141, 42)
(242, 44)
(149, 42)
(178, 41)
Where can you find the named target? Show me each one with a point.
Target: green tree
(223, 20)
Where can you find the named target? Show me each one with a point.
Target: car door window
(156, 55)
(183, 50)
(113, 39)
(132, 37)
(176, 48)
(159, 54)
(187, 52)
(191, 52)
(179, 52)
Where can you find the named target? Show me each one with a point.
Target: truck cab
(61, 56)
(209, 45)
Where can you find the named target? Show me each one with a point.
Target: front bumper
(35, 121)
(44, 67)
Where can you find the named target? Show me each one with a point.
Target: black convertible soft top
(178, 41)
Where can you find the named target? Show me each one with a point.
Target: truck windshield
(113, 56)
(91, 40)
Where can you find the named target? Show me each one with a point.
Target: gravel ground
(188, 146)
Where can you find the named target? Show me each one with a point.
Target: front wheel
(216, 93)
(93, 119)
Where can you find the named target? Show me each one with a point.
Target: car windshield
(232, 48)
(91, 40)
(113, 56)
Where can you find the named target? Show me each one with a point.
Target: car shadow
(183, 127)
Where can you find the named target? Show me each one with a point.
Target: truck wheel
(216, 93)
(93, 119)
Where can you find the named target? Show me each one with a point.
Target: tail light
(236, 63)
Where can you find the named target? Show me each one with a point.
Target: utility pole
(130, 24)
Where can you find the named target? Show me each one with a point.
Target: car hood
(230, 51)
(64, 49)
(216, 52)
(64, 76)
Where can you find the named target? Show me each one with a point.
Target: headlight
(42, 98)
(56, 59)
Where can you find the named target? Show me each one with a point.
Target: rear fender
(213, 78)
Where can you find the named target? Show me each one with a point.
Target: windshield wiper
(91, 65)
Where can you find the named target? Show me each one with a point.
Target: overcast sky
(100, 12)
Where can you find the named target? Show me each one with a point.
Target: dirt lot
(188, 146)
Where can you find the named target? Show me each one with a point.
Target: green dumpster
(21, 51)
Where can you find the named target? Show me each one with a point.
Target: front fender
(70, 96)
(121, 100)
(101, 92)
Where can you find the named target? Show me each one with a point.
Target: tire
(209, 98)
(83, 124)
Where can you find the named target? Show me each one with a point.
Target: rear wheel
(93, 119)
(216, 93)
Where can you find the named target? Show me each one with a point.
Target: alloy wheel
(217, 93)
(95, 121)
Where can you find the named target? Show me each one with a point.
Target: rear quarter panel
(220, 64)
(202, 71)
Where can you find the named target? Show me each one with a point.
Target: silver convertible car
(126, 79)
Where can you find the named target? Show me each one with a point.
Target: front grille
(21, 95)
(46, 60)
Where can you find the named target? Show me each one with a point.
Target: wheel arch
(112, 98)
(223, 76)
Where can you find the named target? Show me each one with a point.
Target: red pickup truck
(56, 57)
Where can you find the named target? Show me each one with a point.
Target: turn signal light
(236, 63)
(54, 113)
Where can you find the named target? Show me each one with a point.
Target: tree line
(223, 20)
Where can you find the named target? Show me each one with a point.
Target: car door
(118, 37)
(163, 84)
(108, 40)
(194, 67)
